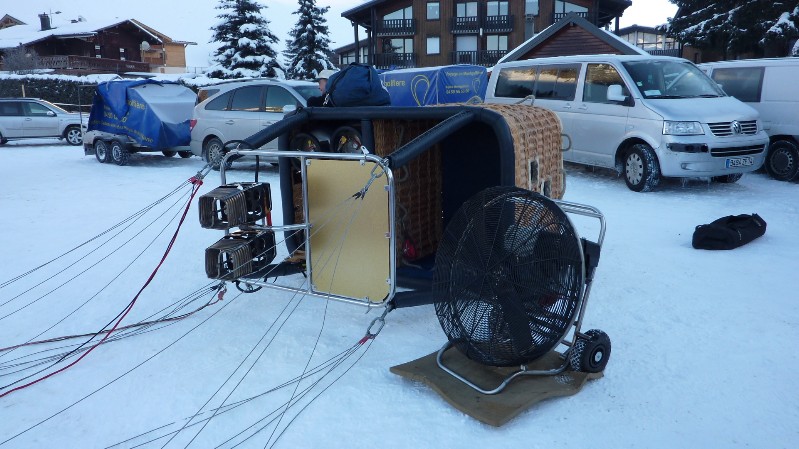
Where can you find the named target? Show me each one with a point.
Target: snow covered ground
(703, 341)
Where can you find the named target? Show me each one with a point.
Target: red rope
(197, 183)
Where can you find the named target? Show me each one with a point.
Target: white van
(645, 116)
(772, 87)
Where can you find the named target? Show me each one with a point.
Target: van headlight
(682, 128)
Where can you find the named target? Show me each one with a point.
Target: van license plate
(745, 161)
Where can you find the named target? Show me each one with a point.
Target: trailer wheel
(119, 153)
(101, 151)
(73, 135)
(169, 153)
(185, 154)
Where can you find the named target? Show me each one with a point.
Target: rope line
(197, 183)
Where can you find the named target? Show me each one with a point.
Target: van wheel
(169, 153)
(641, 168)
(3, 140)
(101, 151)
(213, 153)
(73, 135)
(782, 160)
(119, 153)
(728, 179)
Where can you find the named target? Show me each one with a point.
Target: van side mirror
(614, 93)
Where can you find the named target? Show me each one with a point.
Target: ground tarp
(497, 409)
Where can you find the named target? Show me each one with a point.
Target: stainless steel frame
(305, 158)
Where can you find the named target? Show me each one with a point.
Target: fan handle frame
(569, 208)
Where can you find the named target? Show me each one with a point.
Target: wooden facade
(126, 46)
(490, 34)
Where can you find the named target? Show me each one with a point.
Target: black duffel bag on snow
(729, 232)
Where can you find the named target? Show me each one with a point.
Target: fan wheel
(508, 277)
(590, 355)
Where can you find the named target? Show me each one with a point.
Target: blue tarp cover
(154, 114)
(436, 85)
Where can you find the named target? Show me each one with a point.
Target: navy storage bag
(356, 85)
(729, 232)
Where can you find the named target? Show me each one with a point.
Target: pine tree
(734, 27)
(246, 49)
(308, 49)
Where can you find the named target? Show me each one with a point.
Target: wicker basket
(536, 134)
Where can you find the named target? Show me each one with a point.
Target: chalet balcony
(498, 24)
(464, 25)
(388, 60)
(481, 57)
(669, 52)
(560, 15)
(395, 27)
(86, 64)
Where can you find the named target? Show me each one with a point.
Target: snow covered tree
(246, 42)
(735, 27)
(308, 49)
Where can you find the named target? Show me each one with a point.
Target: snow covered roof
(17, 35)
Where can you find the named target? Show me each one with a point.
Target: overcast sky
(191, 20)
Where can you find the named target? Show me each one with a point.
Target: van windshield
(671, 79)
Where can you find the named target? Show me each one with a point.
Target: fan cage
(509, 277)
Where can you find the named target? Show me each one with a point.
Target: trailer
(133, 116)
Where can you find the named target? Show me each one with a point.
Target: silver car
(237, 110)
(26, 118)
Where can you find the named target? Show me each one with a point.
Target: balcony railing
(669, 52)
(498, 24)
(482, 57)
(388, 60)
(86, 63)
(395, 27)
(560, 15)
(464, 25)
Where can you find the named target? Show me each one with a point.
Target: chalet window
(563, 7)
(433, 11)
(497, 42)
(121, 54)
(400, 14)
(97, 52)
(433, 45)
(397, 45)
(531, 7)
(597, 79)
(497, 8)
(744, 83)
(347, 58)
(466, 9)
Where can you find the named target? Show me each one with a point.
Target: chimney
(45, 20)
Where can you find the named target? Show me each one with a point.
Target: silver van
(770, 86)
(646, 116)
(237, 110)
